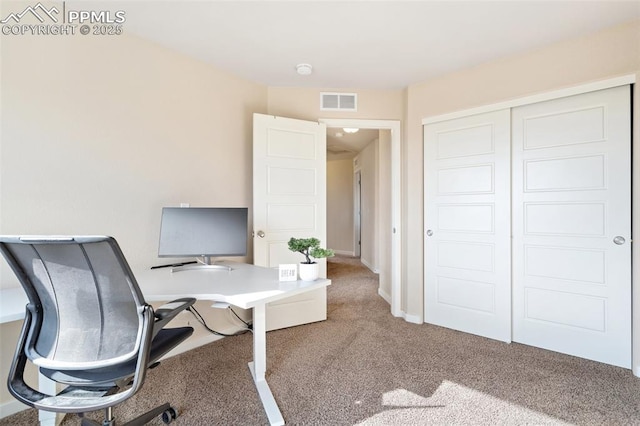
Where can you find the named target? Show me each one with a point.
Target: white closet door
(572, 225)
(467, 221)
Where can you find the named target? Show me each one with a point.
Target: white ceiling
(362, 44)
(342, 145)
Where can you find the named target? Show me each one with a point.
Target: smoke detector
(304, 69)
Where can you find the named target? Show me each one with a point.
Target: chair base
(167, 412)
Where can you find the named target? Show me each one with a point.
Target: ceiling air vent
(338, 101)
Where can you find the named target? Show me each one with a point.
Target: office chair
(87, 326)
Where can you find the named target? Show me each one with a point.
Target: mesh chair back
(87, 304)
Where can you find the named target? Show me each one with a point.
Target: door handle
(619, 240)
(429, 232)
(261, 234)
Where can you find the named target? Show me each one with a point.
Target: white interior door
(467, 221)
(289, 200)
(572, 225)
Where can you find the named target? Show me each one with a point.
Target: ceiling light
(350, 129)
(304, 69)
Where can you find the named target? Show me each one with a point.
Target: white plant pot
(309, 271)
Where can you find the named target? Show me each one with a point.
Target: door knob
(261, 234)
(429, 232)
(619, 240)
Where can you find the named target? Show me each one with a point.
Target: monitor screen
(203, 231)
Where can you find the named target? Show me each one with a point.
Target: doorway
(392, 248)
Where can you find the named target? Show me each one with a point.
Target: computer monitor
(203, 232)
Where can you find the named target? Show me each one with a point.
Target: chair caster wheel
(169, 415)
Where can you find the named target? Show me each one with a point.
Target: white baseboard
(11, 407)
(14, 406)
(415, 319)
(384, 295)
(369, 265)
(345, 253)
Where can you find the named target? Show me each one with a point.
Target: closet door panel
(467, 219)
(571, 199)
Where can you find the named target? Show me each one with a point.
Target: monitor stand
(204, 262)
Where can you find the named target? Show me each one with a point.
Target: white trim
(368, 265)
(11, 407)
(396, 191)
(414, 319)
(46, 418)
(344, 253)
(541, 97)
(357, 209)
(384, 295)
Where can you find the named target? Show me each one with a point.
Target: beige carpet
(364, 367)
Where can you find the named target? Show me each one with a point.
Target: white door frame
(635, 177)
(357, 212)
(396, 232)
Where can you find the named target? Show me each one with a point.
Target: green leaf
(309, 248)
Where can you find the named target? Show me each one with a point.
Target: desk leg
(46, 385)
(259, 366)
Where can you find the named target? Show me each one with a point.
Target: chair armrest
(168, 311)
(78, 399)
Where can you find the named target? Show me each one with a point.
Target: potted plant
(310, 248)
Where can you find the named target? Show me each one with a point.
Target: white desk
(246, 286)
(12, 303)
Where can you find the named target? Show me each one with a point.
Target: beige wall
(98, 133)
(304, 103)
(606, 54)
(340, 206)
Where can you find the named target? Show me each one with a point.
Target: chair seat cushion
(163, 342)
